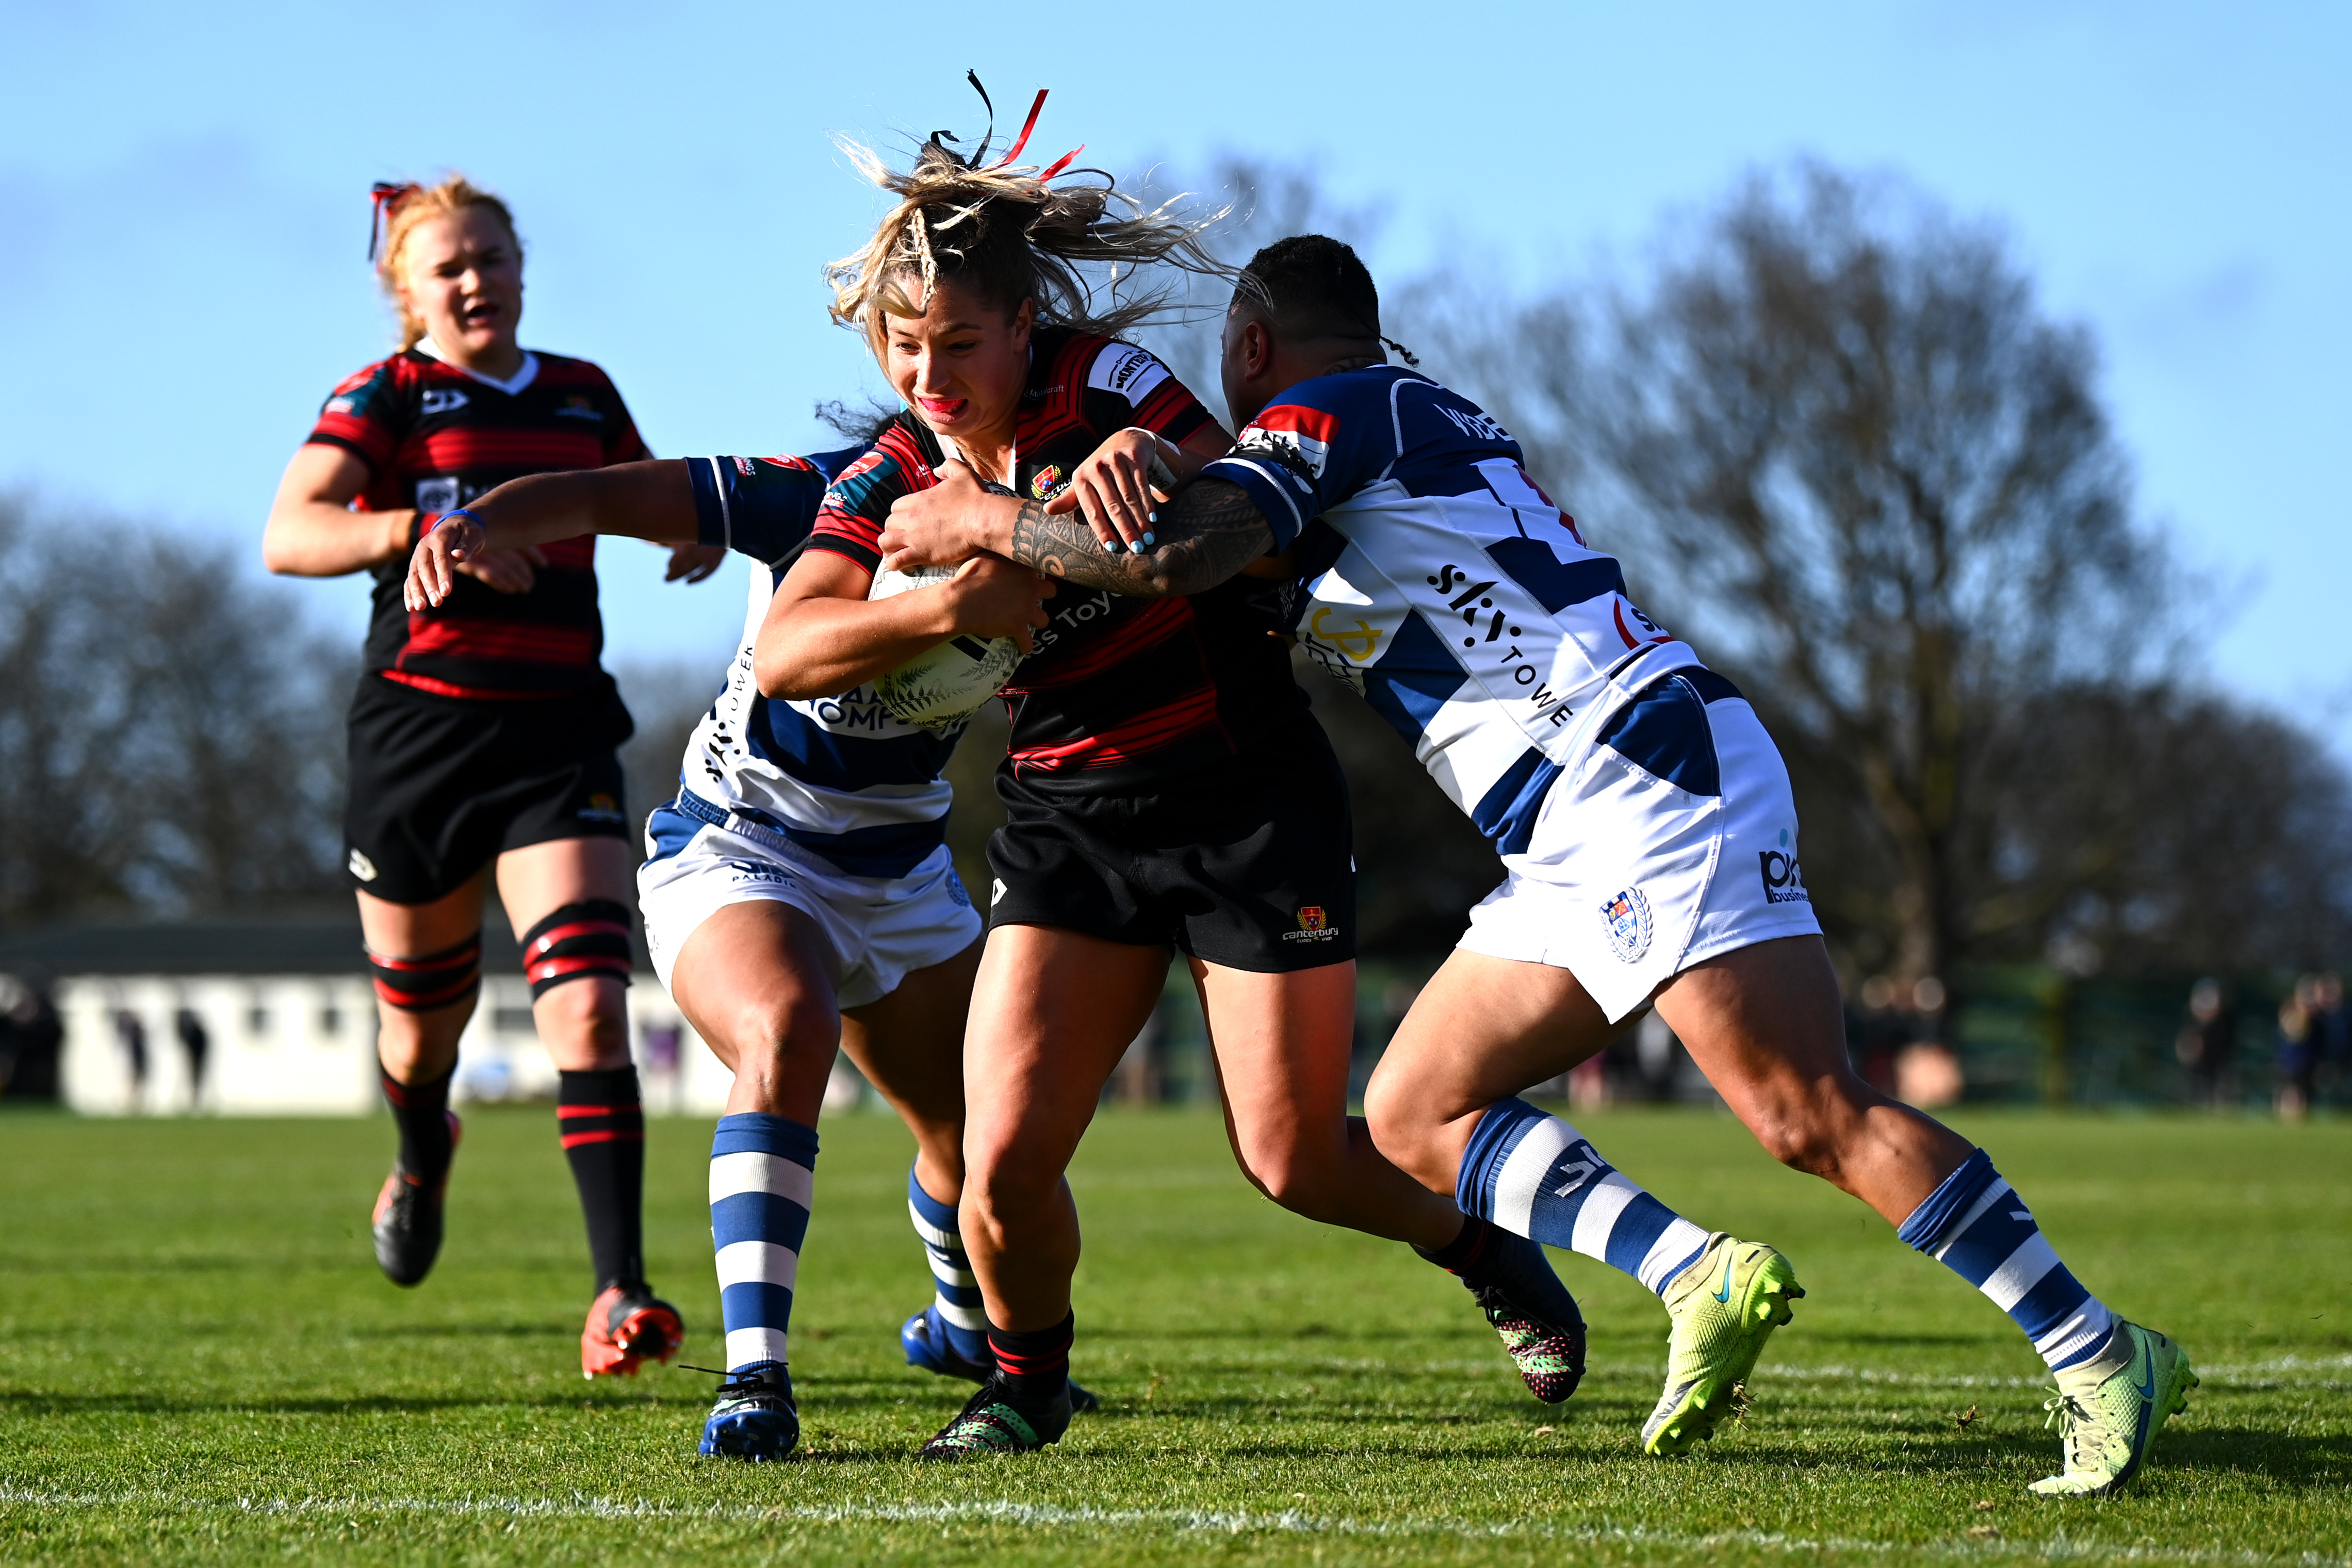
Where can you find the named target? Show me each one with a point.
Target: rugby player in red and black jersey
(483, 734)
(1166, 787)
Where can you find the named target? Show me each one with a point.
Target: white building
(288, 1020)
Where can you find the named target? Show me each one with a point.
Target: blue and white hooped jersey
(837, 775)
(1446, 586)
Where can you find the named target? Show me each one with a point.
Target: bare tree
(1837, 437)
(171, 732)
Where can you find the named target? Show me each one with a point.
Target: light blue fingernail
(1151, 537)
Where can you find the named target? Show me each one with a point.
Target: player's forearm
(308, 537)
(652, 500)
(822, 646)
(1208, 533)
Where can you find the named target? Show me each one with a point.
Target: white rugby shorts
(1672, 838)
(879, 929)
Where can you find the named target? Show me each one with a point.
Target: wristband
(459, 511)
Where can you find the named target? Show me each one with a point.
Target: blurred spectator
(1878, 1032)
(2331, 1029)
(1927, 1074)
(30, 1037)
(2298, 1049)
(1657, 1056)
(658, 1056)
(130, 1032)
(2207, 1043)
(197, 1042)
(1588, 1082)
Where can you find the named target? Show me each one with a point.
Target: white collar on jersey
(512, 384)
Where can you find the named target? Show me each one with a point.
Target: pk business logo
(1784, 880)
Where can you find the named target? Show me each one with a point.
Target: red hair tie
(383, 199)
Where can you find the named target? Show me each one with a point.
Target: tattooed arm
(1208, 532)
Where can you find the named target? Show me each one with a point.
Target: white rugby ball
(952, 681)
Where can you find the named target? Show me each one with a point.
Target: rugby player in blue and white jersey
(1646, 825)
(797, 891)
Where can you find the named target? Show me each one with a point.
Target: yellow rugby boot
(1724, 1306)
(2108, 1409)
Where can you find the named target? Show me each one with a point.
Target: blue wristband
(459, 511)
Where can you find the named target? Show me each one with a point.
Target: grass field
(198, 1362)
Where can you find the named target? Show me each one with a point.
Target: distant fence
(303, 1044)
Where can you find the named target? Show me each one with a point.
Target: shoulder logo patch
(1127, 371)
(1298, 438)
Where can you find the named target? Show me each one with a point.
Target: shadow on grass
(41, 1402)
(508, 1331)
(1111, 1334)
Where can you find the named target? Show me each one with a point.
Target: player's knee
(1295, 1178)
(1801, 1127)
(1003, 1190)
(1395, 1118)
(583, 941)
(413, 988)
(787, 1026)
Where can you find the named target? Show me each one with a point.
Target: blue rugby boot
(754, 1417)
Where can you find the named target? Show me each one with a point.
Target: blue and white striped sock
(763, 1169)
(1978, 1226)
(956, 1293)
(1536, 1175)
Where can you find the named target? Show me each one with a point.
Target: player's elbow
(774, 669)
(277, 553)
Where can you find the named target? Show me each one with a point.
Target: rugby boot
(407, 1220)
(925, 1340)
(2109, 1410)
(628, 1324)
(1724, 1306)
(993, 1422)
(1532, 1311)
(754, 1417)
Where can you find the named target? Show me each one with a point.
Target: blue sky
(181, 274)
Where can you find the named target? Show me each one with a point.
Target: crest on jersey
(1047, 481)
(1298, 438)
(1626, 914)
(1312, 918)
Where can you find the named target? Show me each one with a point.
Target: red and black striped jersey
(434, 437)
(1121, 690)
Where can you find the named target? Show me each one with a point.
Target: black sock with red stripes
(421, 1111)
(1035, 1367)
(603, 1125)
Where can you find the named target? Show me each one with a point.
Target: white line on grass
(2242, 1375)
(2057, 1549)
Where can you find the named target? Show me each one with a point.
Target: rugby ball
(952, 681)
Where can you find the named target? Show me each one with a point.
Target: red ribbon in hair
(383, 200)
(1036, 107)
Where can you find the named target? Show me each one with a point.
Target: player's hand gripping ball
(952, 681)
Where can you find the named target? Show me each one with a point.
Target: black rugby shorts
(1251, 868)
(441, 786)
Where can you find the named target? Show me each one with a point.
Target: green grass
(198, 1362)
